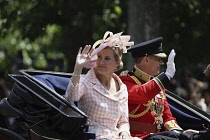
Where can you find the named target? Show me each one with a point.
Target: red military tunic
(148, 107)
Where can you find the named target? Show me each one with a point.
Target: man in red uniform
(148, 107)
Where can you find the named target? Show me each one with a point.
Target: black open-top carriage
(40, 109)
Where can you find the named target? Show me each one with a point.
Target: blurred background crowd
(193, 85)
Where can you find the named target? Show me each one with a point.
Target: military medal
(157, 112)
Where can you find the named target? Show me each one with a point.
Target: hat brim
(161, 55)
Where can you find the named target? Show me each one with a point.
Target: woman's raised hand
(83, 56)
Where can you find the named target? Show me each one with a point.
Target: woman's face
(106, 62)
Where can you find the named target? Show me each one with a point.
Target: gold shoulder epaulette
(124, 73)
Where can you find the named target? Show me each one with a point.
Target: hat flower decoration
(111, 40)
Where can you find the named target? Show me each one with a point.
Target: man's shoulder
(125, 76)
(124, 73)
(128, 77)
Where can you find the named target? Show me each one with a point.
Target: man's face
(153, 64)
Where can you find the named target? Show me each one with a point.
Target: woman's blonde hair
(118, 57)
(207, 71)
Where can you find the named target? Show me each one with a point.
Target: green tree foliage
(185, 26)
(50, 32)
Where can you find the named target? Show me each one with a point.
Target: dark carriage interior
(46, 107)
(37, 103)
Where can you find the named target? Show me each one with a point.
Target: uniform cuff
(171, 125)
(162, 80)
